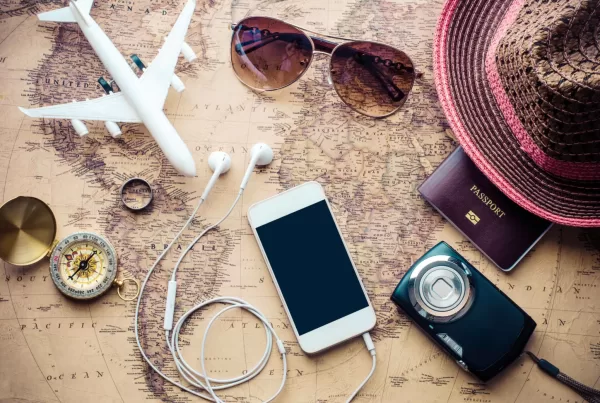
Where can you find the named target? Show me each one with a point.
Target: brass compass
(83, 265)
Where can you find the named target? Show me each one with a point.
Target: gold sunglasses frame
(314, 50)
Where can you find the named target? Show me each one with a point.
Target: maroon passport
(496, 225)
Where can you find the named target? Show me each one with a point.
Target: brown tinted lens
(268, 54)
(371, 78)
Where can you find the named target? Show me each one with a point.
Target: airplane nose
(171, 144)
(191, 172)
(180, 157)
(188, 168)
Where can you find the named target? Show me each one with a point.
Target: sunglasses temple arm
(393, 91)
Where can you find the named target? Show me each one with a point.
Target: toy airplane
(140, 99)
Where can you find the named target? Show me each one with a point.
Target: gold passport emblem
(472, 217)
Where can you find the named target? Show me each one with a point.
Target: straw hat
(520, 84)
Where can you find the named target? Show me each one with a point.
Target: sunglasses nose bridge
(329, 79)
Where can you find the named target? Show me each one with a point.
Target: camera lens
(439, 289)
(442, 288)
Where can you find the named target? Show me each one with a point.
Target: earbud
(260, 154)
(219, 162)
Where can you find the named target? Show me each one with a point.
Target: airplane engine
(113, 129)
(177, 84)
(80, 127)
(187, 52)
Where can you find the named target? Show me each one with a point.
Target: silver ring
(131, 203)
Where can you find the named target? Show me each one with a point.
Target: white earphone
(219, 162)
(261, 155)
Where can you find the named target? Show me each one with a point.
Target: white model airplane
(140, 99)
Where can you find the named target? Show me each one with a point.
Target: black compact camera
(463, 312)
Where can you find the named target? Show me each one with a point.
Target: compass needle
(93, 265)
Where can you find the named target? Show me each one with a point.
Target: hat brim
(463, 37)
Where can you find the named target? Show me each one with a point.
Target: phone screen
(312, 268)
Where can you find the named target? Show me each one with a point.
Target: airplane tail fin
(65, 14)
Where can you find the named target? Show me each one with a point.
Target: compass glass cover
(83, 266)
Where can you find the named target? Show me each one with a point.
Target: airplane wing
(64, 14)
(113, 107)
(157, 77)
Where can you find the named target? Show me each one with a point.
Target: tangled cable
(194, 377)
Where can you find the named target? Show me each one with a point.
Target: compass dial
(83, 265)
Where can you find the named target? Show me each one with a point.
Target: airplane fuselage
(152, 116)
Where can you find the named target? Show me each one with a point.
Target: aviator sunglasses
(372, 78)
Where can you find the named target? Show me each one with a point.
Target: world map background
(55, 349)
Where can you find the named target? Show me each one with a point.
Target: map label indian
(58, 350)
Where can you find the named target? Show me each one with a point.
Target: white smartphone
(315, 277)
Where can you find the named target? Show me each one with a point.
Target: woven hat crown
(549, 66)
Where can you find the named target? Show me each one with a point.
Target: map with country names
(53, 349)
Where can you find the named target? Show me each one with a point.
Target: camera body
(463, 312)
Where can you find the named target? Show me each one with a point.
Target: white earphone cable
(191, 245)
(195, 378)
(137, 308)
(200, 379)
